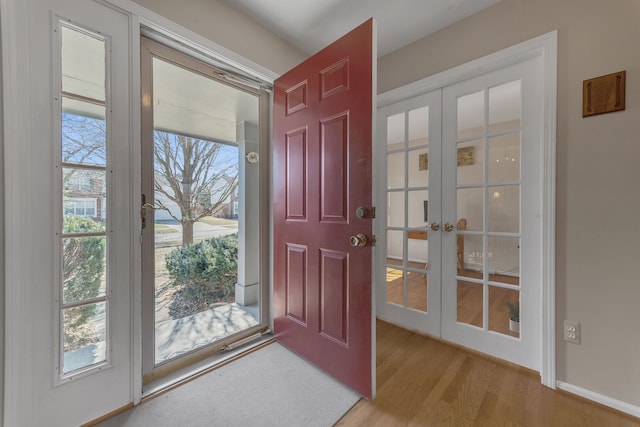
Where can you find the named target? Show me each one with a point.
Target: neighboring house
(84, 195)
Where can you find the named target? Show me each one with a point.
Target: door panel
(322, 174)
(410, 260)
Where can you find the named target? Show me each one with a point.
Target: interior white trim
(545, 47)
(616, 404)
(193, 40)
(18, 325)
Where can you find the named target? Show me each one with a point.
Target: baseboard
(610, 402)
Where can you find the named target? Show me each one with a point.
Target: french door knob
(359, 240)
(434, 226)
(448, 227)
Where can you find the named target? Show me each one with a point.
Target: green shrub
(83, 274)
(207, 270)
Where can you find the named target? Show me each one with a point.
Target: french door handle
(448, 227)
(434, 226)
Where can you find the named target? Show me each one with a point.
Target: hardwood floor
(425, 382)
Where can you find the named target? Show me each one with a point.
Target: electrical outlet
(572, 331)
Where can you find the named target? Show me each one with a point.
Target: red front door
(323, 112)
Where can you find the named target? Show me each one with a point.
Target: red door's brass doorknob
(359, 240)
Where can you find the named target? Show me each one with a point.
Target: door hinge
(373, 212)
(373, 239)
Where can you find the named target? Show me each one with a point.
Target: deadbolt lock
(363, 212)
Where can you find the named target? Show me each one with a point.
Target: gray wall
(598, 231)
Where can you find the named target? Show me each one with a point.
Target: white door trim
(546, 48)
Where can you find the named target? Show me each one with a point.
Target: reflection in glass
(470, 207)
(84, 133)
(471, 254)
(395, 286)
(395, 209)
(504, 158)
(395, 132)
(470, 303)
(84, 336)
(395, 170)
(504, 209)
(419, 126)
(470, 157)
(418, 174)
(503, 304)
(83, 268)
(504, 107)
(471, 115)
(504, 258)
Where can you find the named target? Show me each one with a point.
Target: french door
(463, 227)
(203, 180)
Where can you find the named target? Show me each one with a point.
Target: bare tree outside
(197, 175)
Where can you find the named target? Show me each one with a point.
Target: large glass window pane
(470, 161)
(395, 209)
(504, 158)
(504, 258)
(504, 209)
(85, 334)
(84, 195)
(504, 107)
(471, 115)
(395, 132)
(418, 168)
(419, 127)
(84, 133)
(84, 261)
(395, 170)
(83, 64)
(504, 310)
(417, 215)
(470, 207)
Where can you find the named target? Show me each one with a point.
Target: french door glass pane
(504, 158)
(419, 127)
(502, 303)
(85, 336)
(417, 217)
(395, 209)
(504, 258)
(504, 208)
(504, 107)
(84, 133)
(417, 290)
(471, 115)
(470, 159)
(83, 64)
(395, 132)
(470, 207)
(471, 253)
(395, 245)
(470, 303)
(395, 286)
(395, 170)
(418, 168)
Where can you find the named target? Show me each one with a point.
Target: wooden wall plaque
(604, 94)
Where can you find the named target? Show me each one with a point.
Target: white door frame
(545, 48)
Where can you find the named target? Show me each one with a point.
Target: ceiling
(310, 25)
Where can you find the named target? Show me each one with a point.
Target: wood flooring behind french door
(459, 207)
